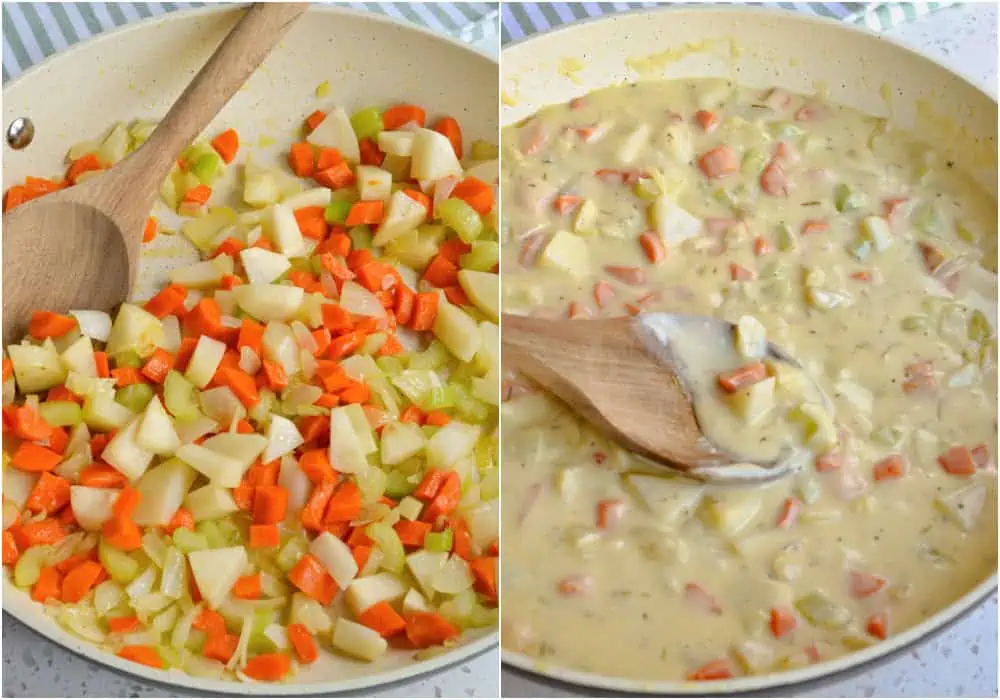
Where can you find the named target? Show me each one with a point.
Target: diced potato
(823, 612)
(204, 361)
(263, 266)
(567, 252)
(202, 231)
(751, 338)
(283, 229)
(335, 131)
(671, 500)
(424, 566)
(963, 506)
(156, 431)
(483, 289)
(458, 331)
(92, 506)
(403, 215)
(396, 143)
(451, 443)
(730, 512)
(876, 231)
(373, 183)
(79, 357)
(432, 156)
(821, 432)
(400, 442)
(269, 302)
(210, 502)
(221, 470)
(336, 558)
(36, 368)
(102, 412)
(630, 147)
(791, 381)
(134, 329)
(346, 448)
(754, 402)
(671, 222)
(585, 221)
(357, 640)
(163, 489)
(216, 570)
(753, 656)
(125, 454)
(362, 593)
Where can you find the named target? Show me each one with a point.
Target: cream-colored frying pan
(137, 72)
(760, 48)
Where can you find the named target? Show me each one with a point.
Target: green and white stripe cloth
(522, 19)
(35, 30)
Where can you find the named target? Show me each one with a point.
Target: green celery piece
(927, 218)
(847, 198)
(483, 150)
(483, 257)
(207, 168)
(127, 358)
(188, 541)
(397, 485)
(336, 211)
(261, 644)
(134, 397)
(179, 396)
(439, 541)
(457, 215)
(290, 554)
(754, 161)
(472, 409)
(210, 530)
(361, 238)
(367, 123)
(61, 413)
(390, 365)
(437, 397)
(429, 430)
(120, 566)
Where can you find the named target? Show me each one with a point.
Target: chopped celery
(290, 554)
(754, 161)
(847, 198)
(361, 238)
(179, 396)
(134, 397)
(209, 529)
(397, 485)
(460, 217)
(483, 150)
(61, 413)
(437, 397)
(786, 238)
(230, 531)
(914, 323)
(128, 358)
(207, 168)
(336, 211)
(188, 541)
(120, 566)
(29, 565)
(818, 609)
(469, 407)
(483, 257)
(927, 217)
(390, 364)
(439, 541)
(979, 327)
(393, 554)
(367, 123)
(436, 355)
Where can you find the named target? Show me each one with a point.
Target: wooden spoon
(617, 374)
(78, 248)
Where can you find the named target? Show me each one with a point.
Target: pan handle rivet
(20, 133)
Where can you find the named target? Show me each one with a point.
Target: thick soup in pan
(865, 255)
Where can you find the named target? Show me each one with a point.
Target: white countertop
(962, 662)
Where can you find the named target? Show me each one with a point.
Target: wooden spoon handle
(237, 57)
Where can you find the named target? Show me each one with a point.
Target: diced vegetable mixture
(292, 446)
(867, 256)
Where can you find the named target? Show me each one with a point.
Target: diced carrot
(877, 625)
(58, 440)
(102, 476)
(123, 625)
(917, 376)
(311, 222)
(126, 503)
(761, 246)
(158, 365)
(99, 442)
(345, 344)
(335, 177)
(441, 272)
(404, 303)
(80, 580)
(708, 121)
(734, 380)
(30, 457)
(437, 418)
(783, 621)
(412, 414)
(366, 212)
(376, 276)
(603, 294)
(401, 114)
(149, 230)
(773, 179)
(247, 587)
(314, 119)
(446, 499)
(358, 258)
(8, 372)
(264, 536)
(461, 538)
(425, 307)
(344, 505)
(412, 532)
(863, 275)
(738, 273)
(958, 460)
(391, 346)
(227, 144)
(865, 585)
(231, 246)
(220, 647)
(46, 324)
(425, 629)
(382, 618)
(38, 186)
(16, 195)
(210, 622)
(70, 563)
(122, 533)
(145, 655)
(892, 467)
(457, 296)
(716, 670)
(577, 585)
(27, 424)
(199, 194)
(84, 164)
(125, 376)
(370, 153)
(167, 301)
(48, 585)
(337, 243)
(274, 372)
(50, 493)
(453, 249)
(484, 572)
(478, 195)
(358, 392)
(790, 510)
(310, 577)
(101, 361)
(609, 512)
(449, 127)
(242, 385)
(420, 198)
(701, 599)
(429, 486)
(48, 531)
(268, 667)
(327, 158)
(303, 643)
(814, 226)
(316, 465)
(652, 246)
(301, 159)
(719, 162)
(270, 504)
(361, 554)
(11, 553)
(182, 517)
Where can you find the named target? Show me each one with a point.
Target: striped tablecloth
(521, 19)
(35, 30)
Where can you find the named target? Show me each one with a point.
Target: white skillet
(760, 48)
(136, 72)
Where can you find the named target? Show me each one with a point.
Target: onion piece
(303, 337)
(329, 285)
(171, 334)
(93, 324)
(356, 299)
(249, 360)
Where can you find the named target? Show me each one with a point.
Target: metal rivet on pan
(20, 133)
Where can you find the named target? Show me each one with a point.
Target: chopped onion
(453, 577)
(192, 298)
(93, 324)
(9, 391)
(107, 596)
(201, 667)
(307, 364)
(182, 630)
(373, 512)
(303, 338)
(221, 405)
(147, 637)
(239, 657)
(173, 580)
(154, 548)
(230, 321)
(166, 619)
(302, 395)
(191, 430)
(249, 360)
(10, 513)
(443, 189)
(277, 634)
(171, 334)
(282, 438)
(79, 620)
(356, 299)
(142, 584)
(329, 285)
(295, 482)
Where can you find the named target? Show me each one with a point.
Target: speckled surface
(962, 662)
